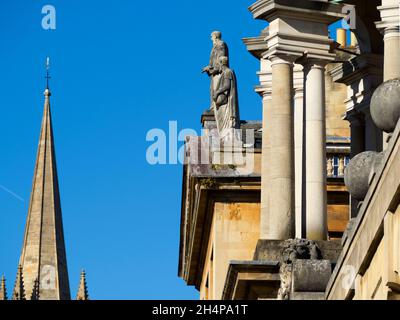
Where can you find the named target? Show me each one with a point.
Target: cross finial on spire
(47, 72)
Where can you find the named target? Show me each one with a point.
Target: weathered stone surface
(385, 105)
(375, 166)
(272, 250)
(357, 173)
(208, 120)
(269, 250)
(307, 296)
(311, 275)
(348, 231)
(363, 245)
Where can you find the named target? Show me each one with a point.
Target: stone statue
(220, 49)
(225, 101)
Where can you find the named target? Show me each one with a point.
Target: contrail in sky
(12, 193)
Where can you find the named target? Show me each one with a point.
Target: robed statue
(219, 49)
(225, 100)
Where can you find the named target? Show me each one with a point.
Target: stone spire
(83, 293)
(19, 289)
(43, 258)
(3, 289)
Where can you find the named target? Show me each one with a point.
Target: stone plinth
(208, 120)
(272, 249)
(307, 296)
(311, 275)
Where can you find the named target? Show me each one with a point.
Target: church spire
(43, 258)
(83, 293)
(3, 289)
(19, 288)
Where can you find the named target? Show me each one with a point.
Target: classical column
(281, 160)
(264, 217)
(298, 83)
(373, 135)
(257, 46)
(391, 68)
(392, 48)
(264, 90)
(389, 27)
(292, 35)
(315, 150)
(357, 128)
(358, 145)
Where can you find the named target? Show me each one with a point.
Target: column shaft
(315, 152)
(391, 68)
(357, 127)
(392, 61)
(264, 217)
(298, 147)
(281, 160)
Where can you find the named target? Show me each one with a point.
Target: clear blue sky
(119, 69)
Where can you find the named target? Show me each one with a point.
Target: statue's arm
(225, 86)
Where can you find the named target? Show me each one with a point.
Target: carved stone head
(223, 61)
(215, 36)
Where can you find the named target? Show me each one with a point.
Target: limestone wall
(336, 94)
(234, 236)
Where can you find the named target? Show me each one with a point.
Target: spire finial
(47, 72)
(19, 289)
(47, 91)
(3, 288)
(83, 293)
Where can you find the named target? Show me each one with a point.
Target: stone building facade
(276, 220)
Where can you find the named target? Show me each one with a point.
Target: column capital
(391, 31)
(298, 78)
(281, 58)
(355, 118)
(389, 15)
(265, 91)
(314, 62)
(298, 91)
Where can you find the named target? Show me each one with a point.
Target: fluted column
(315, 150)
(281, 160)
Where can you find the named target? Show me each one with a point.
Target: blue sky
(119, 69)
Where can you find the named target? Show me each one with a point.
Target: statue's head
(216, 35)
(223, 61)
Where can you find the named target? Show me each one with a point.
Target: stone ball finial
(357, 174)
(385, 105)
(47, 93)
